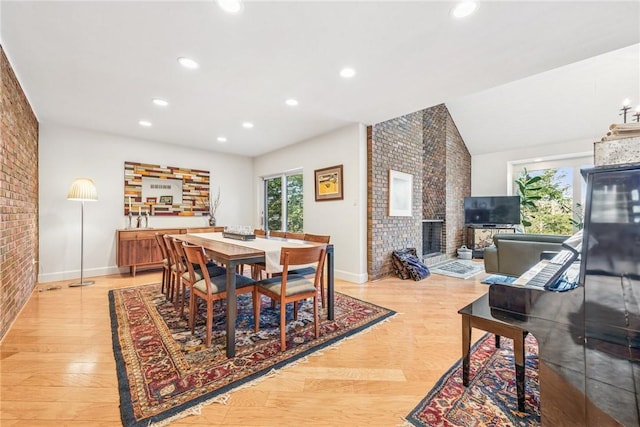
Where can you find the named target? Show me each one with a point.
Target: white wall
(491, 173)
(344, 220)
(67, 153)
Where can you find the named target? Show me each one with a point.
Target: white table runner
(271, 248)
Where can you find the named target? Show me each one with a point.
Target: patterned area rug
(460, 268)
(165, 373)
(490, 399)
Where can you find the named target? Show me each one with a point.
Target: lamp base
(83, 283)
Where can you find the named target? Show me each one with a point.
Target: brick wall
(395, 144)
(427, 145)
(18, 196)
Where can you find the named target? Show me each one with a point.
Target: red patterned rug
(165, 373)
(490, 398)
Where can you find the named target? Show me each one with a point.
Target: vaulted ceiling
(512, 74)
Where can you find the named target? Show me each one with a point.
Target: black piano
(589, 336)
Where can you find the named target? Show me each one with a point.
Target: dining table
(232, 252)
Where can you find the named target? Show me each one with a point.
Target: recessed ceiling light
(247, 125)
(188, 63)
(539, 159)
(222, 139)
(145, 123)
(347, 73)
(231, 6)
(464, 9)
(291, 102)
(160, 102)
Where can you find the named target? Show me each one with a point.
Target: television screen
(492, 210)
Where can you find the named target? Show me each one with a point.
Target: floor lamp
(82, 190)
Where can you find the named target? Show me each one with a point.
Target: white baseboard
(75, 274)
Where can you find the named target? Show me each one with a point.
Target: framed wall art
(400, 193)
(329, 185)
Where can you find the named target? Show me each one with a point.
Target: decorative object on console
(213, 208)
(621, 131)
(617, 152)
(329, 185)
(626, 106)
(83, 190)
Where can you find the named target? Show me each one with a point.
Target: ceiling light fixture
(145, 123)
(188, 63)
(347, 73)
(160, 102)
(231, 6)
(464, 9)
(247, 125)
(291, 102)
(222, 139)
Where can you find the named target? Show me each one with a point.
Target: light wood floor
(57, 366)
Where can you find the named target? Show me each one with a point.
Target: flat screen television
(492, 210)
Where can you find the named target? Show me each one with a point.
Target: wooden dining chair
(259, 232)
(185, 281)
(174, 270)
(165, 262)
(209, 288)
(291, 287)
(277, 233)
(317, 238)
(296, 236)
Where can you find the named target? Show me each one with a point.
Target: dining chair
(209, 288)
(165, 262)
(291, 287)
(316, 238)
(296, 236)
(185, 281)
(277, 233)
(174, 270)
(259, 232)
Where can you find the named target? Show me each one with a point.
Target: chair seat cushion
(213, 269)
(296, 284)
(219, 283)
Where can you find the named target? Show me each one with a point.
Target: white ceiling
(97, 65)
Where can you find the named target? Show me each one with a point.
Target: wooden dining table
(232, 253)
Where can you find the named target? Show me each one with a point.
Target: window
(283, 202)
(559, 211)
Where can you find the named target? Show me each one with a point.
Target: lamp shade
(82, 189)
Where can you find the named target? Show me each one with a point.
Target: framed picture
(400, 193)
(329, 183)
(152, 200)
(166, 200)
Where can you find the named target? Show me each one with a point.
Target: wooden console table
(137, 247)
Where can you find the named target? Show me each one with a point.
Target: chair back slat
(301, 256)
(296, 236)
(171, 251)
(277, 233)
(163, 248)
(259, 232)
(317, 238)
(195, 255)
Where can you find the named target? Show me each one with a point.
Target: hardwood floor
(57, 365)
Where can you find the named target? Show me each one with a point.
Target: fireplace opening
(432, 237)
